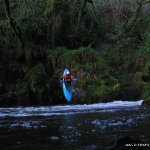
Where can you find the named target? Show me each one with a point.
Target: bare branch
(13, 24)
(148, 1)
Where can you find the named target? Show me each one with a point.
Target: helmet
(68, 72)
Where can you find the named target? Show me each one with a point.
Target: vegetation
(106, 42)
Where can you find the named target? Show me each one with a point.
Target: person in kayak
(67, 76)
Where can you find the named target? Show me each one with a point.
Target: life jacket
(67, 76)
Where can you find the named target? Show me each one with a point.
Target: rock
(78, 94)
(146, 103)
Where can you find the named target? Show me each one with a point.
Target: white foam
(68, 109)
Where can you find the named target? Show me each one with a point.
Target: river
(69, 127)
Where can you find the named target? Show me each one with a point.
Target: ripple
(69, 109)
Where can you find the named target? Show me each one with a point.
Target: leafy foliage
(106, 42)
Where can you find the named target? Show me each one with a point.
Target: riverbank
(108, 48)
(105, 73)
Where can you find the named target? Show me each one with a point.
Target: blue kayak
(67, 87)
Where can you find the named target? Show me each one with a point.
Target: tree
(13, 24)
(132, 21)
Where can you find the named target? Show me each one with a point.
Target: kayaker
(67, 76)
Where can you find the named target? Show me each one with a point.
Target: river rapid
(69, 127)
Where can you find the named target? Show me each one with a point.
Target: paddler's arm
(72, 76)
(62, 76)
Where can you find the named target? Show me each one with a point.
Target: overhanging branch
(13, 24)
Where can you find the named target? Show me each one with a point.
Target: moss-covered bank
(104, 74)
(32, 57)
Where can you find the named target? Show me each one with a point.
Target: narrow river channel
(82, 127)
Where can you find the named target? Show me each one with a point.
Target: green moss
(93, 69)
(146, 93)
(103, 89)
(36, 79)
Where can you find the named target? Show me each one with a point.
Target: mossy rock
(79, 96)
(146, 102)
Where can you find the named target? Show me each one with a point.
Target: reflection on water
(72, 126)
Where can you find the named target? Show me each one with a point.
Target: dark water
(82, 127)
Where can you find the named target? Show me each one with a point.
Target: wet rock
(78, 93)
(146, 103)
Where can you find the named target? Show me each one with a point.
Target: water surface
(90, 127)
